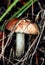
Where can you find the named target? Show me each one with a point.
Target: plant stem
(7, 11)
(23, 9)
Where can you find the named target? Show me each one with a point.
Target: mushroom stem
(20, 44)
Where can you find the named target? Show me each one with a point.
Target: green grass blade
(7, 11)
(23, 9)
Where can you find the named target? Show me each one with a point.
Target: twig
(37, 43)
(10, 55)
(6, 59)
(42, 51)
(32, 10)
(42, 59)
(3, 42)
(40, 6)
(9, 2)
(3, 46)
(31, 45)
(36, 59)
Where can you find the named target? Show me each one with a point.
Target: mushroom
(24, 26)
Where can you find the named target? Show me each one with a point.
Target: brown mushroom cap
(24, 26)
(11, 23)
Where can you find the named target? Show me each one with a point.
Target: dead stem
(37, 43)
(6, 59)
(3, 47)
(40, 5)
(3, 43)
(10, 55)
(8, 4)
(32, 10)
(36, 59)
(42, 59)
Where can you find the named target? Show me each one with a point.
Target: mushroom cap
(11, 23)
(24, 26)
